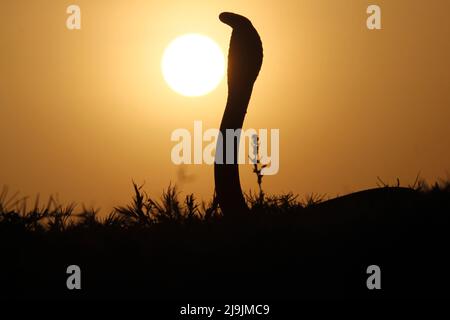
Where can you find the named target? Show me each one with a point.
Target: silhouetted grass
(143, 211)
(286, 247)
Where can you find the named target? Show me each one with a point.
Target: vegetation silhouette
(282, 248)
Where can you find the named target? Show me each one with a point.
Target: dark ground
(283, 250)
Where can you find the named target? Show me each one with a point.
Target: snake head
(235, 20)
(245, 54)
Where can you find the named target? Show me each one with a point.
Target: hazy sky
(83, 112)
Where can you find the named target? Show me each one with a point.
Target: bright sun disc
(193, 65)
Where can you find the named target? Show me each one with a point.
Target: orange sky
(84, 112)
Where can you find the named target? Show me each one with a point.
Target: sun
(193, 65)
